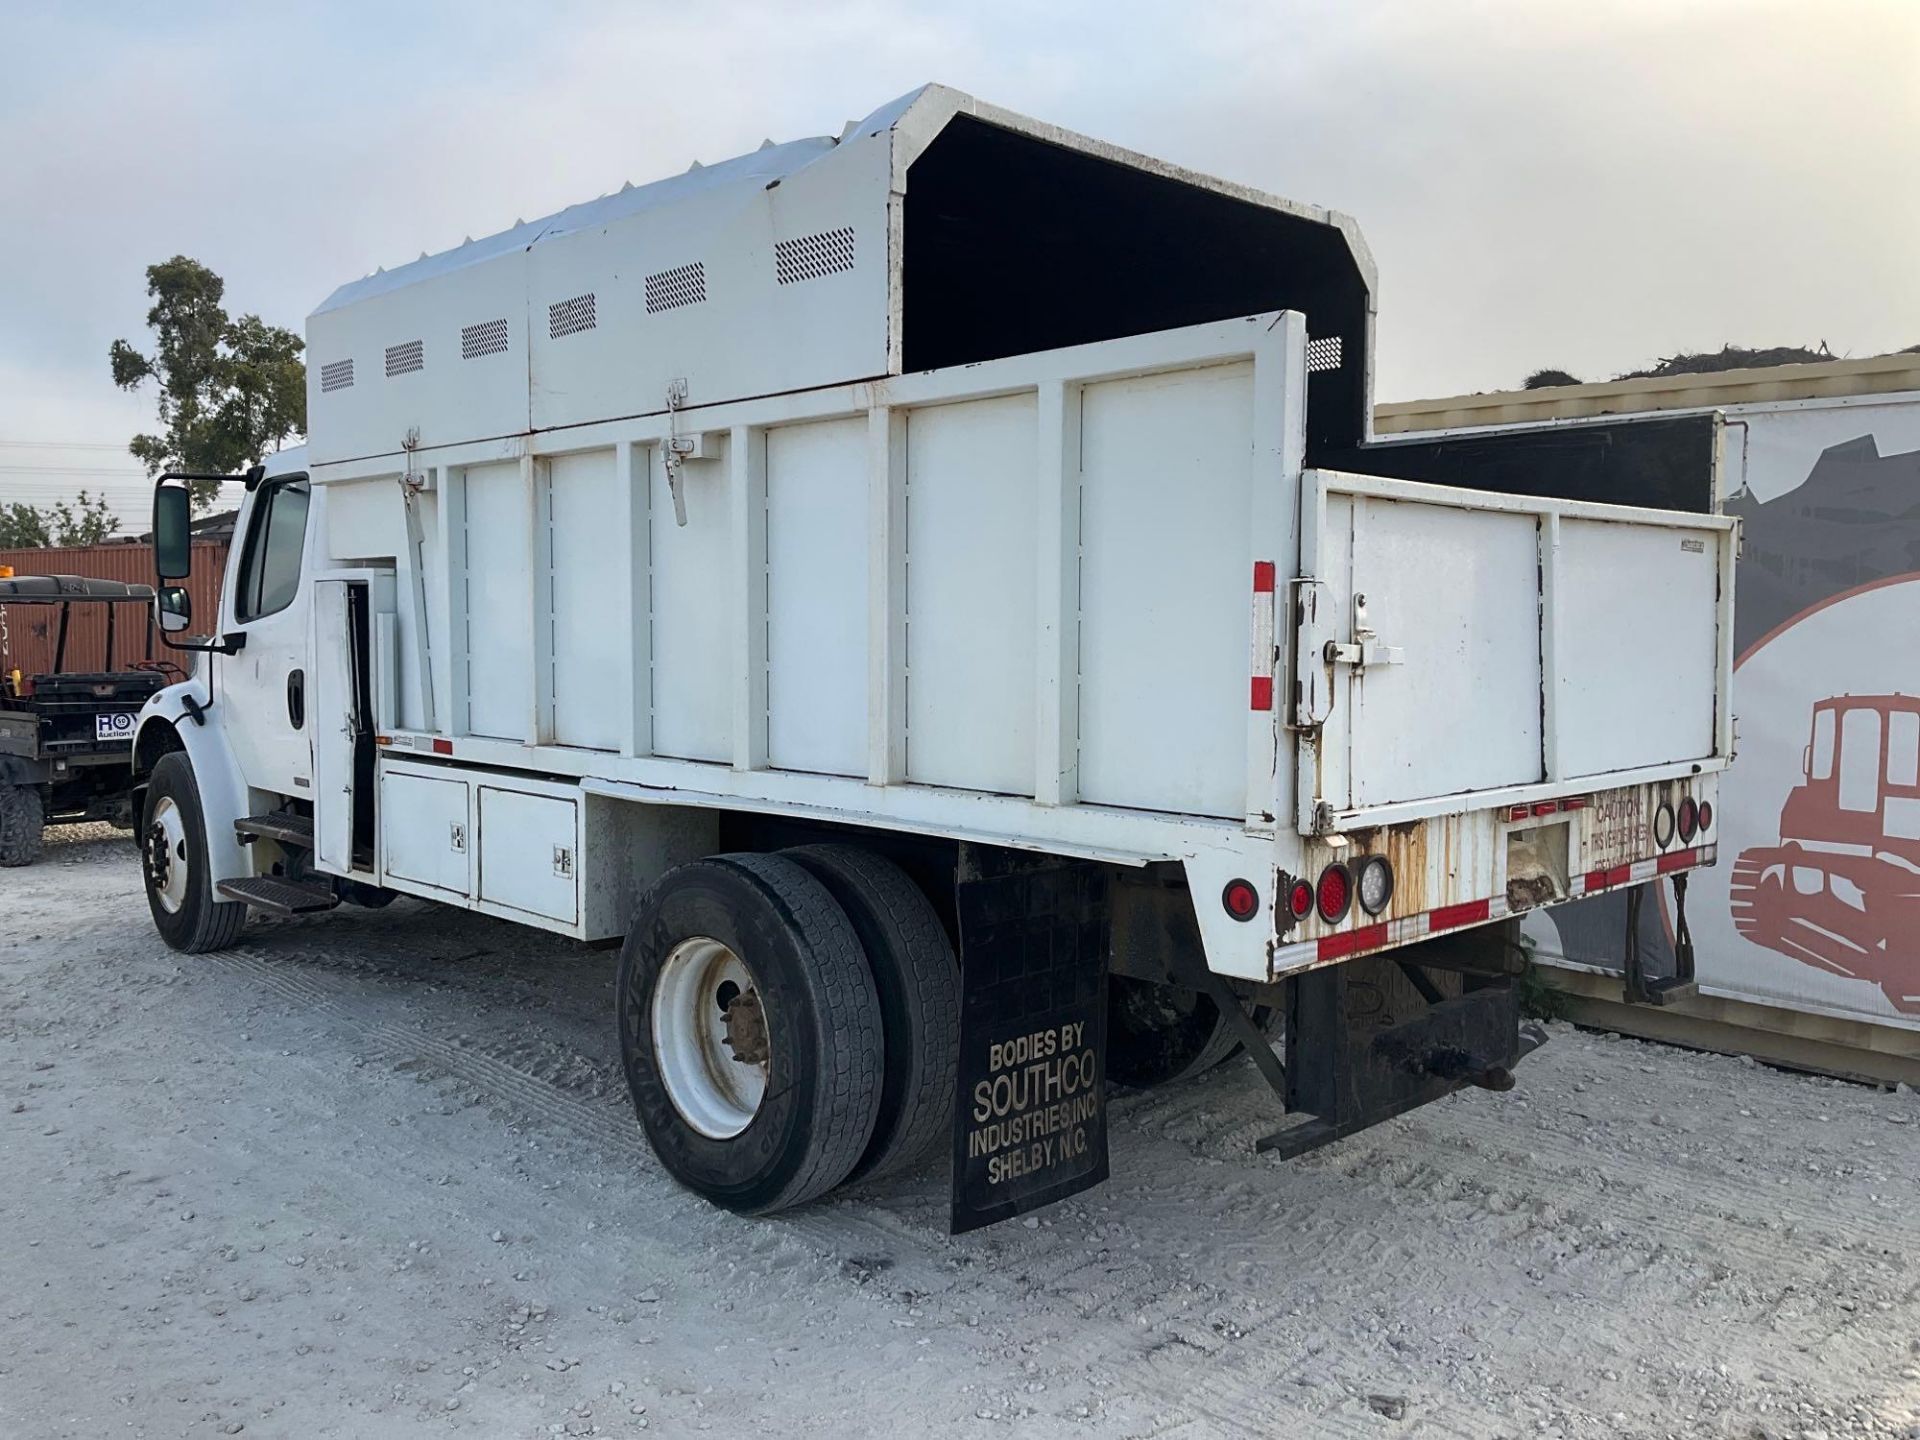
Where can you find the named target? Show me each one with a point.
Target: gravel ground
(374, 1173)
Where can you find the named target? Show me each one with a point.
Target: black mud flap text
(1030, 1108)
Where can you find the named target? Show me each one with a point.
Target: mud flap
(1029, 1124)
(1374, 1038)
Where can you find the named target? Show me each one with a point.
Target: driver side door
(264, 686)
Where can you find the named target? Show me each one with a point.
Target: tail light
(1300, 899)
(1374, 885)
(1241, 900)
(1706, 816)
(1334, 894)
(1689, 820)
(1663, 825)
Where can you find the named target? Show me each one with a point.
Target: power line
(61, 445)
(127, 470)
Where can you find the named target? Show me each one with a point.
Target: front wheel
(173, 857)
(23, 820)
(750, 1031)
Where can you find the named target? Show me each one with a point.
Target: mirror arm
(232, 643)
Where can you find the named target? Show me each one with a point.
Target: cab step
(282, 826)
(277, 896)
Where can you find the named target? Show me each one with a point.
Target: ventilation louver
(1323, 354)
(489, 338)
(405, 359)
(810, 256)
(682, 285)
(335, 375)
(570, 317)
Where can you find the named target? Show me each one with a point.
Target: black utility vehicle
(66, 733)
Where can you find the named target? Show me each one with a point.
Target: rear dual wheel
(772, 1043)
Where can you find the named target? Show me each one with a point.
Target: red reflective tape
(1262, 692)
(1449, 917)
(1263, 577)
(1596, 880)
(1352, 942)
(1678, 860)
(442, 747)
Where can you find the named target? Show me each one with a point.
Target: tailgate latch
(1365, 648)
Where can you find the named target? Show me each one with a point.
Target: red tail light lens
(1241, 900)
(1689, 820)
(1300, 899)
(1706, 816)
(1334, 895)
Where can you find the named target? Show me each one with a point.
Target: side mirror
(172, 533)
(175, 608)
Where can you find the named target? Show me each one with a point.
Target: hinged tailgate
(1459, 648)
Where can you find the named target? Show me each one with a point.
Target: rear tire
(173, 860)
(1157, 1034)
(917, 979)
(23, 823)
(750, 1032)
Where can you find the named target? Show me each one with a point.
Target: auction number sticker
(115, 725)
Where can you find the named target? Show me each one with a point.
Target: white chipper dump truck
(931, 596)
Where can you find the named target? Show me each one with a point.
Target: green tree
(87, 521)
(23, 528)
(230, 390)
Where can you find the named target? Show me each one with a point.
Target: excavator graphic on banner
(1841, 890)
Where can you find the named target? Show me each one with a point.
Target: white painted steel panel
(363, 520)
(690, 291)
(1166, 579)
(1458, 591)
(456, 393)
(424, 831)
(817, 597)
(971, 538)
(529, 853)
(693, 587)
(1637, 645)
(499, 602)
(589, 543)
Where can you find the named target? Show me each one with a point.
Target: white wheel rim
(703, 993)
(167, 855)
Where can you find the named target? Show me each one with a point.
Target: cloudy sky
(1583, 183)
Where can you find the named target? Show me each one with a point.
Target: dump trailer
(931, 597)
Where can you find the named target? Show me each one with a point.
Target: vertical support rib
(1551, 766)
(747, 483)
(537, 496)
(633, 592)
(1279, 452)
(886, 595)
(1056, 727)
(453, 590)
